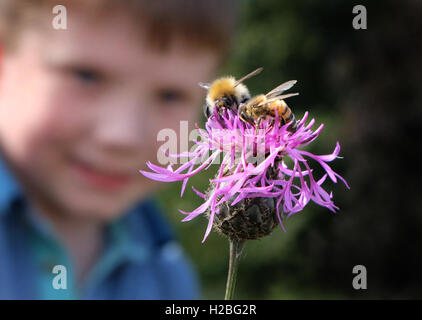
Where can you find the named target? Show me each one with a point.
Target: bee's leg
(243, 117)
(272, 122)
(293, 127)
(258, 123)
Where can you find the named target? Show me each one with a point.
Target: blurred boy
(80, 110)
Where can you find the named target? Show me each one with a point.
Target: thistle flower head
(254, 180)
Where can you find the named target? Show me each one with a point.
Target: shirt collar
(9, 187)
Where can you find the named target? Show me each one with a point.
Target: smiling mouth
(100, 178)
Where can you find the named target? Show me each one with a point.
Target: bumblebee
(226, 92)
(264, 106)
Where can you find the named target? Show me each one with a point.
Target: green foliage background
(343, 76)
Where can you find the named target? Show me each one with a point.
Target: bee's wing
(278, 98)
(281, 88)
(249, 75)
(204, 85)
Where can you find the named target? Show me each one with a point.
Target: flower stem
(235, 252)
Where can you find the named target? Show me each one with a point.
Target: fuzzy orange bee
(226, 92)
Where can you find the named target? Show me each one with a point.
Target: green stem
(235, 252)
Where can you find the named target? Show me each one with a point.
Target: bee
(226, 92)
(264, 106)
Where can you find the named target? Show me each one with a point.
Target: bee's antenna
(249, 75)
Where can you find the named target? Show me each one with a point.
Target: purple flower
(249, 157)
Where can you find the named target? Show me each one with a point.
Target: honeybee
(264, 106)
(226, 92)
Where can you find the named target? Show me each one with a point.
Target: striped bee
(264, 106)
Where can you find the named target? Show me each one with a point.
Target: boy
(80, 110)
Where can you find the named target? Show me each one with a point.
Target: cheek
(63, 122)
(41, 128)
(34, 112)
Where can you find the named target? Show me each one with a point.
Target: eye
(171, 96)
(86, 75)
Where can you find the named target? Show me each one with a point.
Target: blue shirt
(140, 260)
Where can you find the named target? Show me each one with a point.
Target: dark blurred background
(365, 86)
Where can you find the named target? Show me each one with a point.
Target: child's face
(80, 111)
